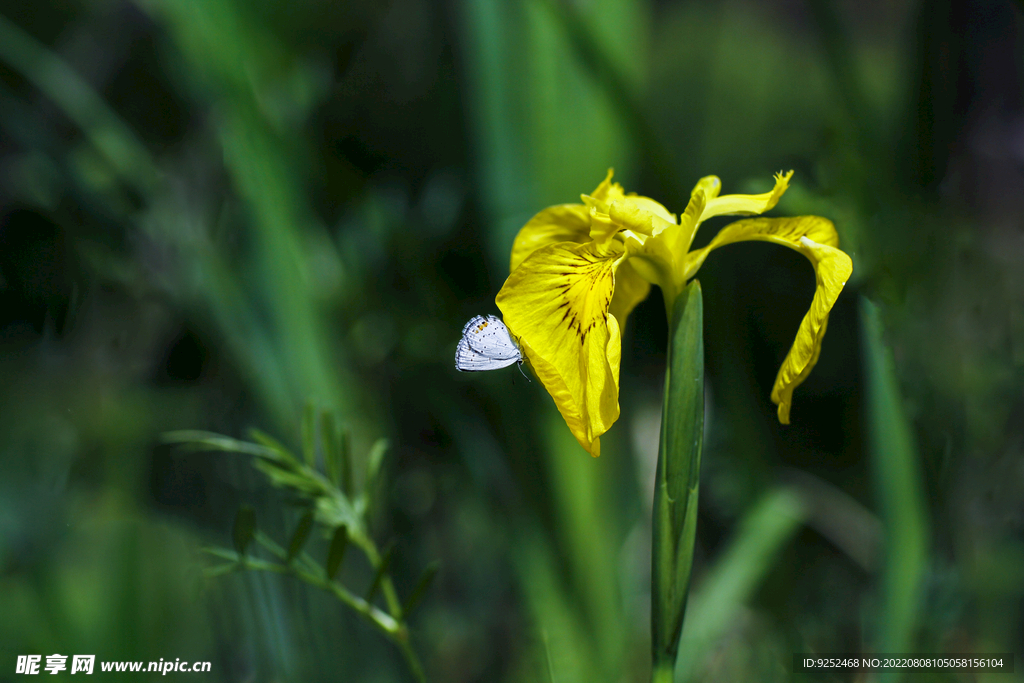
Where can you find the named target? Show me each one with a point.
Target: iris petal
(558, 303)
(561, 223)
(832, 268)
(815, 238)
(746, 204)
(646, 217)
(689, 221)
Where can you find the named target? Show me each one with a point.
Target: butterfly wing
(469, 360)
(488, 336)
(486, 344)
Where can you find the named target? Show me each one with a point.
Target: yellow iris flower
(577, 270)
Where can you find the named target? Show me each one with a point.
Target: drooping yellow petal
(557, 303)
(746, 204)
(815, 238)
(832, 268)
(561, 223)
(784, 231)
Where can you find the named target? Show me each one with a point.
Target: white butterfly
(486, 344)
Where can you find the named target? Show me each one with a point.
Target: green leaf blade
(678, 476)
(426, 578)
(301, 535)
(209, 441)
(899, 490)
(382, 570)
(375, 463)
(272, 445)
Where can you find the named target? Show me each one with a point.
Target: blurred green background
(213, 211)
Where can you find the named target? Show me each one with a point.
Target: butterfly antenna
(520, 365)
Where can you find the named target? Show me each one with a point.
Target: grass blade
(426, 578)
(105, 130)
(769, 524)
(899, 490)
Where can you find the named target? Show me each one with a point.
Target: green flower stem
(677, 480)
(387, 586)
(664, 672)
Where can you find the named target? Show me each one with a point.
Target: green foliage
(761, 534)
(341, 519)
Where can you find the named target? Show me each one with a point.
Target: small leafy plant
(331, 501)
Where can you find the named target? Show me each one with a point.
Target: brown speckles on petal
(586, 296)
